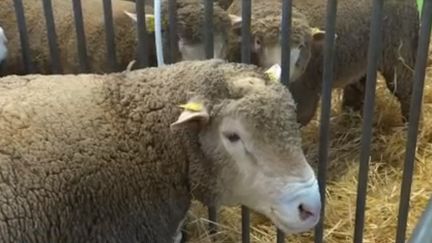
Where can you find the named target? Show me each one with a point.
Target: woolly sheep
(190, 36)
(3, 47)
(112, 158)
(125, 34)
(265, 29)
(222, 3)
(400, 35)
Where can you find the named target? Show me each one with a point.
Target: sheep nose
(308, 212)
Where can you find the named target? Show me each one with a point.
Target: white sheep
(113, 158)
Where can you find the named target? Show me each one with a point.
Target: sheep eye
(232, 137)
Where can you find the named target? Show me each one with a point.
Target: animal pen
(421, 234)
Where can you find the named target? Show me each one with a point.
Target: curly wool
(191, 19)
(95, 156)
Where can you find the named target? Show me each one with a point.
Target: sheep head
(190, 23)
(266, 36)
(253, 140)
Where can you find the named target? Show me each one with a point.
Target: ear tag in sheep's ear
(193, 111)
(150, 22)
(192, 106)
(274, 73)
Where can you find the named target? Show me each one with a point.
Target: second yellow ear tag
(274, 73)
(150, 23)
(193, 106)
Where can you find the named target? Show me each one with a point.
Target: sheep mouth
(289, 228)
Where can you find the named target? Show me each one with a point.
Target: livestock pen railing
(372, 60)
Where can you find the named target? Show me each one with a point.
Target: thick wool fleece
(266, 21)
(125, 36)
(397, 59)
(91, 158)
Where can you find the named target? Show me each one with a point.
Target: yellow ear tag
(316, 30)
(274, 72)
(150, 23)
(193, 106)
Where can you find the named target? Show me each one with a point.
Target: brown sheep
(113, 158)
(125, 34)
(400, 35)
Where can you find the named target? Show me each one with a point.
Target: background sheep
(400, 34)
(265, 29)
(125, 33)
(224, 4)
(3, 47)
(113, 158)
(190, 35)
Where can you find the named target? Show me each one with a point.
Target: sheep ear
(193, 111)
(318, 35)
(274, 73)
(236, 21)
(133, 16)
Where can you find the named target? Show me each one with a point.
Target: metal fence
(422, 230)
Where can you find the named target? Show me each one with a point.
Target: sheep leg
(353, 96)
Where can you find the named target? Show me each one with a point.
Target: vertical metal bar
(329, 53)
(374, 50)
(158, 33)
(286, 40)
(109, 36)
(143, 51)
(415, 109)
(212, 213)
(422, 232)
(280, 236)
(208, 45)
(245, 216)
(22, 28)
(172, 29)
(246, 9)
(208, 28)
(81, 40)
(246, 12)
(52, 37)
(285, 63)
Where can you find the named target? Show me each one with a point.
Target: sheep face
(196, 51)
(269, 51)
(255, 143)
(3, 48)
(190, 38)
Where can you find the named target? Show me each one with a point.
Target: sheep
(224, 4)
(3, 47)
(125, 34)
(265, 29)
(119, 157)
(190, 36)
(352, 29)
